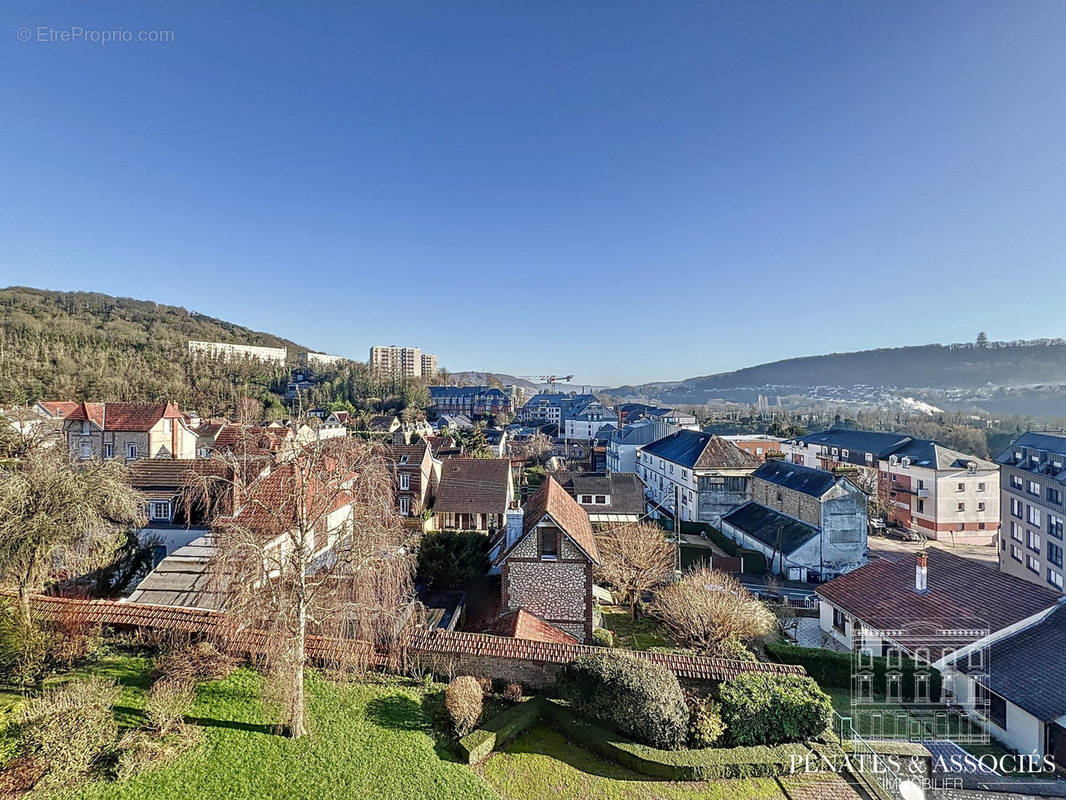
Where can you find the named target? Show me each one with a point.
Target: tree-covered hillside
(88, 346)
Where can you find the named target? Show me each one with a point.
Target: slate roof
(933, 455)
(473, 486)
(882, 593)
(552, 499)
(877, 442)
(182, 579)
(699, 450)
(382, 422)
(808, 480)
(625, 489)
(774, 529)
(1023, 668)
(1053, 444)
(438, 392)
(521, 624)
(125, 416)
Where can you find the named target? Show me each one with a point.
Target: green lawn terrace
(371, 738)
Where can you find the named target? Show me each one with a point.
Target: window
(1016, 553)
(159, 509)
(1032, 564)
(405, 505)
(1054, 496)
(1054, 526)
(1033, 488)
(1054, 578)
(549, 542)
(403, 459)
(1016, 482)
(980, 487)
(1054, 554)
(996, 705)
(980, 506)
(869, 458)
(601, 499)
(921, 484)
(921, 507)
(85, 427)
(960, 507)
(109, 450)
(405, 481)
(961, 487)
(1033, 541)
(684, 474)
(839, 620)
(895, 684)
(844, 454)
(586, 499)
(131, 451)
(1033, 515)
(1016, 507)
(86, 450)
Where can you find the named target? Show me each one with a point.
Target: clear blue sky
(625, 191)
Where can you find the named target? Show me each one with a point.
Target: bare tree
(60, 519)
(314, 546)
(635, 558)
(708, 608)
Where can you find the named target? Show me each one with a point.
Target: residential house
(383, 425)
(416, 475)
(471, 401)
(452, 421)
(1033, 488)
(174, 513)
(587, 423)
(496, 440)
(473, 494)
(609, 499)
(809, 523)
(56, 409)
(945, 610)
(411, 431)
(547, 557)
(624, 443)
(705, 472)
(554, 408)
(930, 489)
(633, 412)
(129, 430)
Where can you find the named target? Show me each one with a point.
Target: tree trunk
(297, 724)
(24, 606)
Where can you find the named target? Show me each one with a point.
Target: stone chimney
(515, 517)
(921, 574)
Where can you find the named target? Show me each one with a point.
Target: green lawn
(640, 634)
(367, 740)
(543, 764)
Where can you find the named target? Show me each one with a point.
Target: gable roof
(774, 529)
(700, 450)
(879, 443)
(1023, 669)
(125, 416)
(58, 408)
(882, 593)
(521, 624)
(473, 486)
(625, 489)
(552, 500)
(808, 480)
(415, 452)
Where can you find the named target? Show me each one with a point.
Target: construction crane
(547, 378)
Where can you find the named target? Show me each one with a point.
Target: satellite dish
(909, 790)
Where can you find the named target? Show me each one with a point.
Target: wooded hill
(89, 346)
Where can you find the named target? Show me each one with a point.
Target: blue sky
(624, 191)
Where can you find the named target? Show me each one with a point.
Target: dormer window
(85, 427)
(403, 459)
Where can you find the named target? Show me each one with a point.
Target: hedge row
(677, 765)
(752, 561)
(834, 670)
(501, 729)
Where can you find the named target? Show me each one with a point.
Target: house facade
(553, 408)
(471, 401)
(129, 431)
(1032, 491)
(415, 476)
(473, 494)
(547, 560)
(702, 474)
(587, 423)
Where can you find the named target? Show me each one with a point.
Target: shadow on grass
(233, 725)
(396, 711)
(542, 740)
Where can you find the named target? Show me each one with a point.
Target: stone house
(130, 431)
(546, 557)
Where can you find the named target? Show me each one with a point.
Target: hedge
(760, 708)
(834, 670)
(501, 729)
(751, 561)
(710, 763)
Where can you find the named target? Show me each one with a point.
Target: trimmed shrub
(512, 692)
(486, 685)
(632, 695)
(140, 751)
(462, 698)
(69, 728)
(705, 725)
(447, 559)
(602, 637)
(24, 652)
(194, 662)
(707, 764)
(501, 729)
(771, 709)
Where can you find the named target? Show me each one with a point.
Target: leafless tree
(707, 608)
(635, 558)
(313, 546)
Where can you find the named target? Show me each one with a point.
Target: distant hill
(476, 378)
(994, 377)
(84, 345)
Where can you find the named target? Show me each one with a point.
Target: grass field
(641, 634)
(542, 763)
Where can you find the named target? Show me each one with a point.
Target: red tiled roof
(520, 624)
(967, 593)
(473, 486)
(59, 408)
(125, 416)
(437, 642)
(553, 500)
